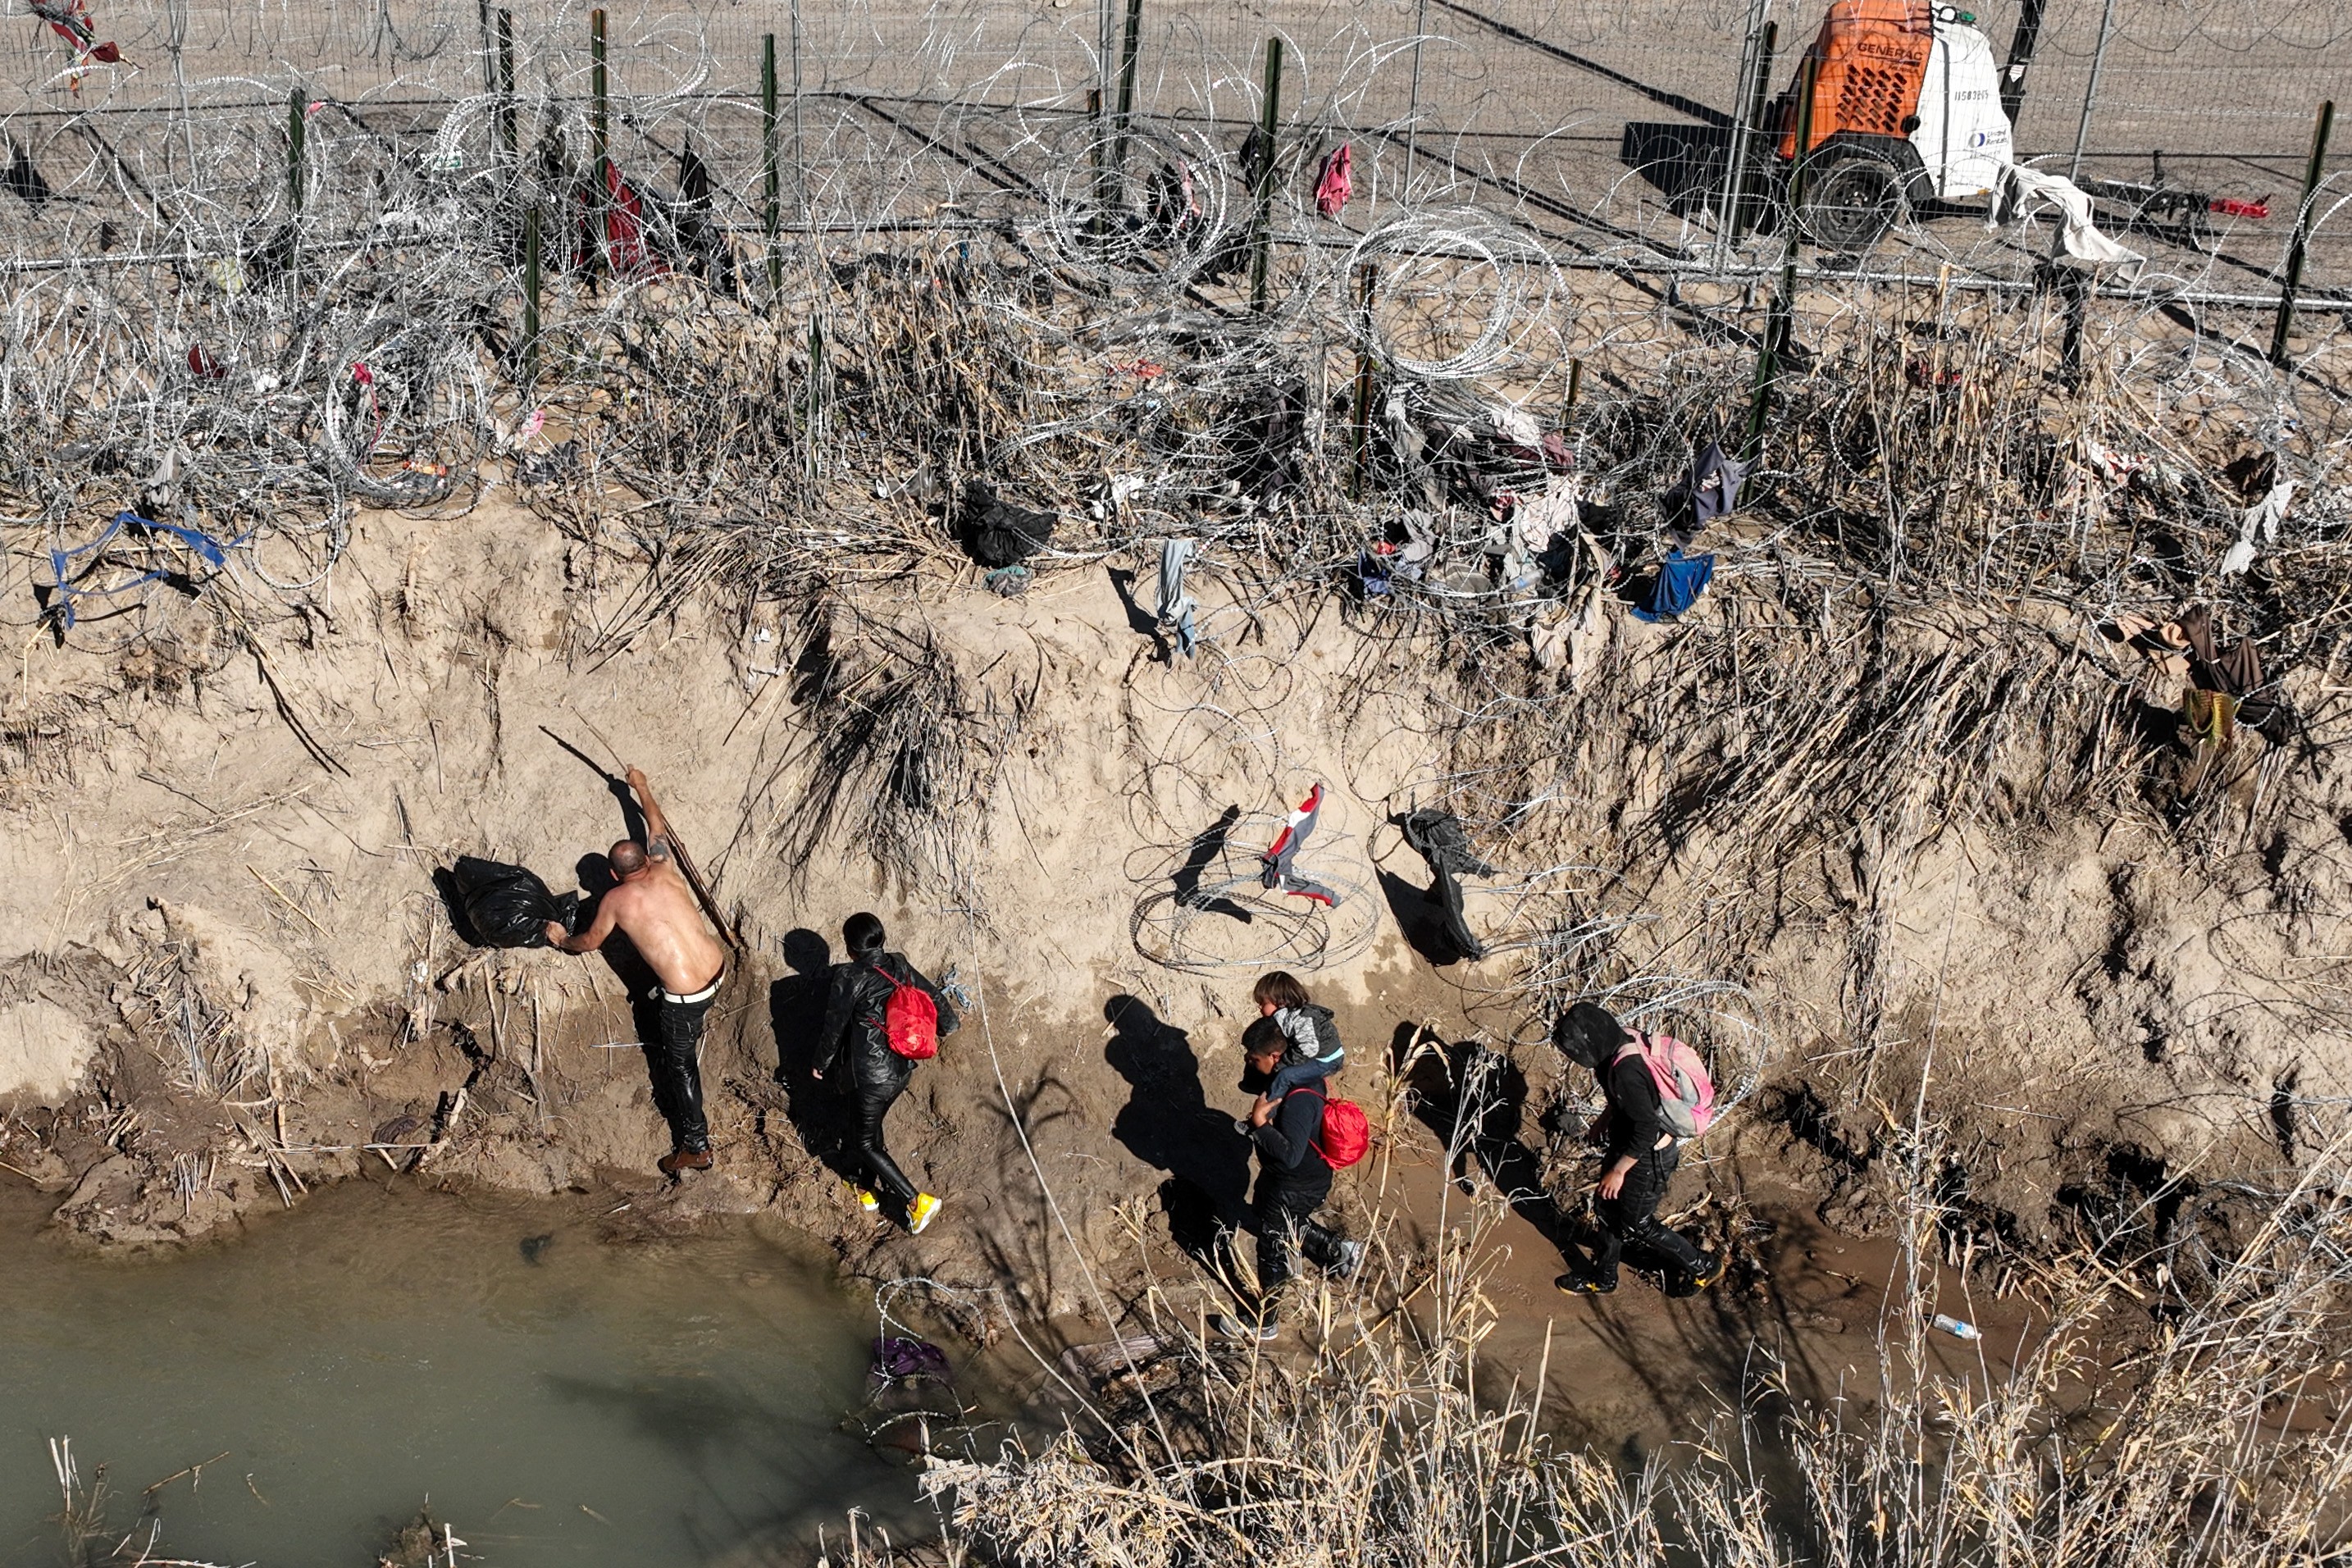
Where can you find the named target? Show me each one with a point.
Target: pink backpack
(1686, 1092)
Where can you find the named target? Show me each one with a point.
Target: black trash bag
(998, 533)
(509, 906)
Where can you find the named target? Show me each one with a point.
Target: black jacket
(853, 1031)
(1635, 1118)
(1286, 1145)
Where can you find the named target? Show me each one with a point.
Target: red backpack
(1347, 1132)
(910, 1019)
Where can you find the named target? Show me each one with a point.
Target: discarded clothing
(1281, 872)
(1175, 203)
(1708, 490)
(1008, 582)
(895, 1360)
(1333, 187)
(998, 533)
(509, 906)
(1680, 581)
(2265, 515)
(1376, 569)
(2082, 239)
(1176, 606)
(24, 179)
(1440, 838)
(62, 570)
(71, 20)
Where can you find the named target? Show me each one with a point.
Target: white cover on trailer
(1963, 139)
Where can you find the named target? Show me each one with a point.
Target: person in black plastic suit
(1639, 1156)
(855, 1051)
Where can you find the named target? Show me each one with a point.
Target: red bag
(1346, 1134)
(910, 1019)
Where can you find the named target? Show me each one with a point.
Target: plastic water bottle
(1958, 1328)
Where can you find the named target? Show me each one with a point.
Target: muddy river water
(557, 1399)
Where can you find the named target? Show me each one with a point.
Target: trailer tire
(1852, 197)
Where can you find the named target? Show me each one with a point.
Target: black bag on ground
(509, 906)
(998, 533)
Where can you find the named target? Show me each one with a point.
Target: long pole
(506, 80)
(1735, 167)
(1362, 437)
(599, 126)
(294, 146)
(774, 215)
(800, 166)
(1095, 154)
(1413, 106)
(1761, 85)
(2091, 91)
(1263, 175)
(1777, 326)
(530, 299)
(1126, 92)
(2294, 251)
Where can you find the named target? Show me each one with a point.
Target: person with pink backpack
(1656, 1096)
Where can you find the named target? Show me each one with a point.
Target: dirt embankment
(233, 977)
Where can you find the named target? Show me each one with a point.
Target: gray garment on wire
(1176, 606)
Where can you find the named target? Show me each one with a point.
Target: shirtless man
(653, 905)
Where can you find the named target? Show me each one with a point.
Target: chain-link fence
(910, 112)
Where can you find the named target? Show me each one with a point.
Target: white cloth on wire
(2265, 515)
(2081, 237)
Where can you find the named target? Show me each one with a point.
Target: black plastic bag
(998, 533)
(509, 906)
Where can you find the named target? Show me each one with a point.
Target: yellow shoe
(920, 1214)
(866, 1199)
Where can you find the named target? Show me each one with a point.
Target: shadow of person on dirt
(1475, 1100)
(1208, 846)
(1167, 1123)
(795, 1015)
(1422, 921)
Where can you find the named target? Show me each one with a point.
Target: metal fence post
(506, 80)
(1762, 87)
(599, 132)
(1779, 324)
(294, 146)
(1413, 106)
(530, 300)
(2091, 91)
(1127, 94)
(1361, 438)
(2295, 247)
(773, 217)
(1263, 175)
(1754, 70)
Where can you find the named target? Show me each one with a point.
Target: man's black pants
(1285, 1205)
(1631, 1220)
(678, 1076)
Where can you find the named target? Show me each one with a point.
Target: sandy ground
(2085, 1011)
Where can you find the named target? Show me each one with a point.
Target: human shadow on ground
(1475, 1100)
(1207, 850)
(1138, 619)
(1167, 1123)
(1422, 920)
(817, 1109)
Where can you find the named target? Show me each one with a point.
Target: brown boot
(680, 1160)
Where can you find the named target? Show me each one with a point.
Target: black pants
(1285, 1208)
(882, 1171)
(1631, 1220)
(678, 1079)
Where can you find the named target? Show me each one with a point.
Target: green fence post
(1777, 326)
(294, 146)
(2295, 247)
(775, 215)
(1362, 437)
(531, 301)
(600, 135)
(1263, 175)
(1127, 92)
(506, 80)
